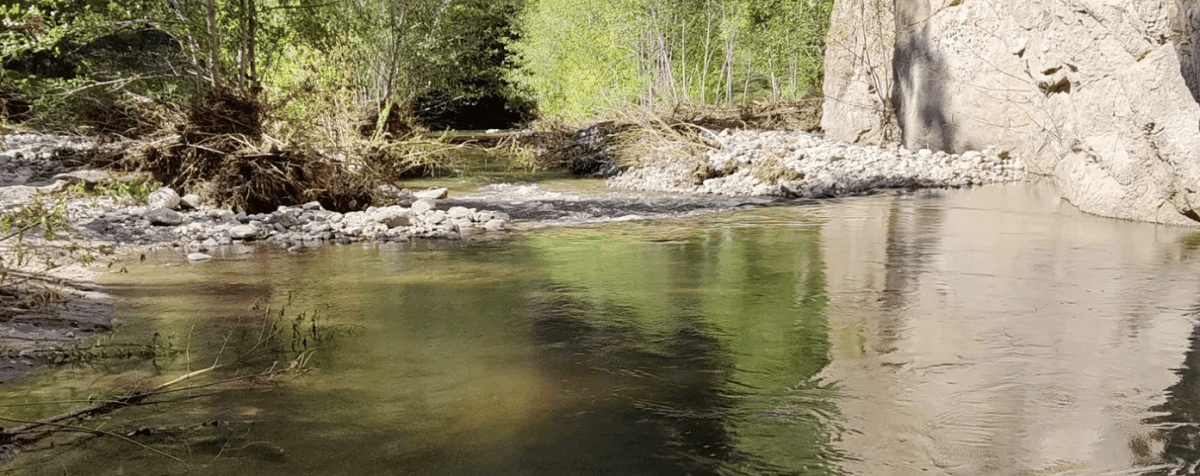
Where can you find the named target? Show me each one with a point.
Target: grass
(133, 192)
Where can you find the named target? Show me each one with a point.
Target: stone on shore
(423, 205)
(244, 232)
(190, 201)
(164, 197)
(394, 217)
(432, 193)
(164, 217)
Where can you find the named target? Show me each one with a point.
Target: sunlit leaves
(582, 56)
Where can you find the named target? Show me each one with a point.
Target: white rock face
(1100, 95)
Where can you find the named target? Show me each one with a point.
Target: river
(986, 331)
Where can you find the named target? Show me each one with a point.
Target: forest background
(83, 65)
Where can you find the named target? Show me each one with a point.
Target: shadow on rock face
(919, 92)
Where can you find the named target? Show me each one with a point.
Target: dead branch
(104, 433)
(102, 407)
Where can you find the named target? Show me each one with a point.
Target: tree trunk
(683, 58)
(214, 44)
(251, 40)
(729, 44)
(708, 30)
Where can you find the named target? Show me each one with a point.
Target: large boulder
(1099, 95)
(858, 73)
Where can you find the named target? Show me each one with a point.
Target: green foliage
(132, 192)
(582, 57)
(36, 214)
(577, 55)
(406, 49)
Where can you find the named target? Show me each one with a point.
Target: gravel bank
(805, 165)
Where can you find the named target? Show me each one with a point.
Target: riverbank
(746, 169)
(798, 164)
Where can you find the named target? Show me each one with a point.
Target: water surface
(985, 331)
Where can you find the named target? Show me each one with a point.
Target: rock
(164, 197)
(1103, 101)
(858, 60)
(434, 217)
(395, 218)
(460, 212)
(164, 217)
(284, 218)
(89, 178)
(388, 194)
(494, 225)
(423, 205)
(312, 206)
(432, 193)
(464, 225)
(190, 201)
(244, 233)
(196, 257)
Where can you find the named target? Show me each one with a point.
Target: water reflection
(717, 364)
(999, 331)
(990, 331)
(1176, 443)
(652, 348)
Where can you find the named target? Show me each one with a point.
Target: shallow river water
(988, 331)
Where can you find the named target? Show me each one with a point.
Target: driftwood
(33, 431)
(13, 434)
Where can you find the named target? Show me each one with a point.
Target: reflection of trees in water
(1180, 422)
(913, 236)
(716, 378)
(668, 404)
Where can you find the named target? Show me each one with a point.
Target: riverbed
(987, 330)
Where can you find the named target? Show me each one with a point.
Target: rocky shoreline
(797, 164)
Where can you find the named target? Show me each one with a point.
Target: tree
(584, 56)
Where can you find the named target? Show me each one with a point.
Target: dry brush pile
(679, 134)
(219, 149)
